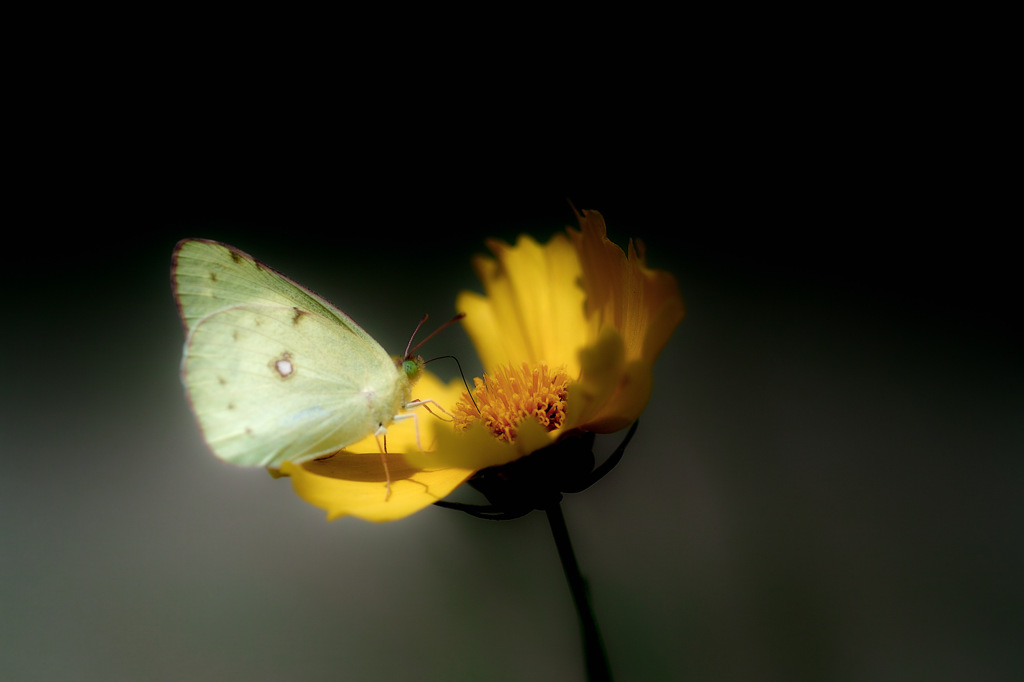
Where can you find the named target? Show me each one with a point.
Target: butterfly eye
(411, 368)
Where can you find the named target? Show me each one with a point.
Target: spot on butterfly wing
(283, 366)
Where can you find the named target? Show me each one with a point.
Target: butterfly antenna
(408, 345)
(464, 382)
(409, 353)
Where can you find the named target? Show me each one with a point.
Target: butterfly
(275, 373)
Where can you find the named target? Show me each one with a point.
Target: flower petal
(627, 402)
(533, 310)
(613, 391)
(476, 447)
(643, 304)
(350, 484)
(494, 341)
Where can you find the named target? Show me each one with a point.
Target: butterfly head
(411, 367)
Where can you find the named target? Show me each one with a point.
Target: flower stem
(593, 649)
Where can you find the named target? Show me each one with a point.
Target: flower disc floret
(509, 394)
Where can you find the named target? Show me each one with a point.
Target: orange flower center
(509, 395)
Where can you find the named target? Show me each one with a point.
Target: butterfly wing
(208, 276)
(274, 372)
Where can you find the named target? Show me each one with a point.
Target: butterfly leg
(415, 419)
(381, 431)
(425, 405)
(415, 424)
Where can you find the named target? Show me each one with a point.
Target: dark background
(825, 486)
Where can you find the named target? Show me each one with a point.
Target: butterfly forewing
(209, 276)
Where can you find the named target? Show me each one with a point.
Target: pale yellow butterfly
(275, 373)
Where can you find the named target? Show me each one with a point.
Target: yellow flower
(567, 332)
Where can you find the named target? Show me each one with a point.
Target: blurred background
(825, 486)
